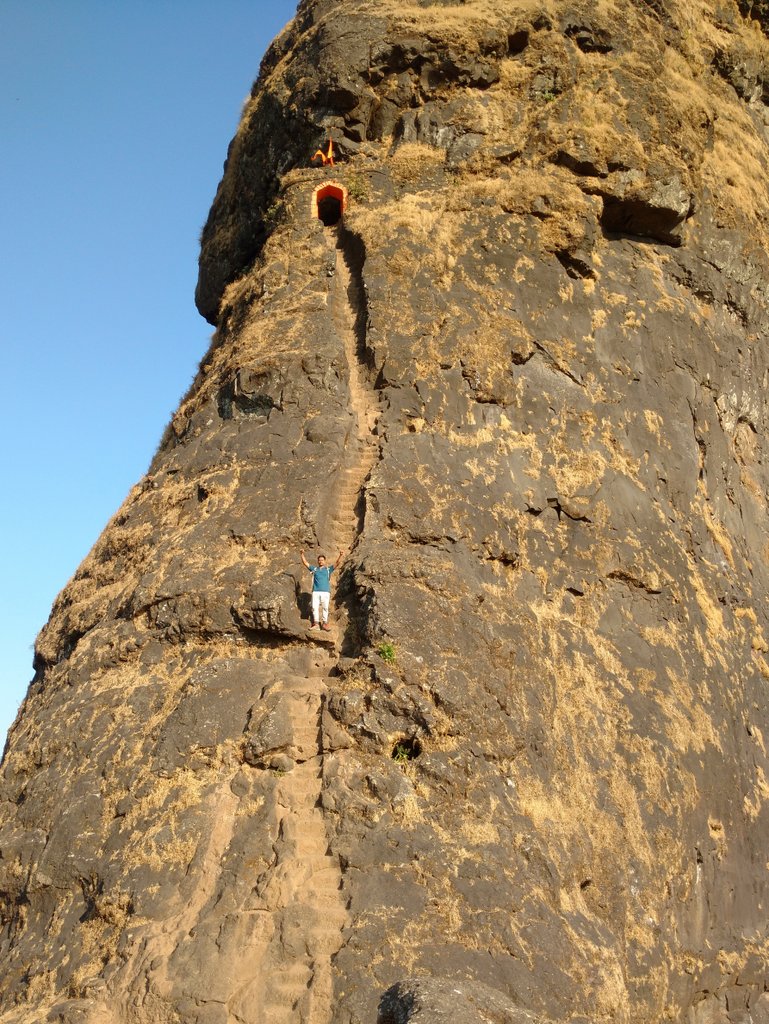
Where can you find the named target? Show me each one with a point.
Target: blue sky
(115, 116)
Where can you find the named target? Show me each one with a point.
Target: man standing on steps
(321, 589)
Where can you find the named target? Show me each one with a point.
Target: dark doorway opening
(329, 201)
(330, 210)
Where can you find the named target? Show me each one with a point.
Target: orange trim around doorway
(329, 190)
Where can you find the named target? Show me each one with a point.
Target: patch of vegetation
(414, 160)
(406, 750)
(358, 188)
(386, 652)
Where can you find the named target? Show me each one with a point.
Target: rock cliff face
(521, 383)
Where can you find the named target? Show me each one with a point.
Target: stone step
(327, 907)
(306, 744)
(321, 862)
(311, 842)
(322, 900)
(285, 988)
(314, 931)
(305, 749)
(294, 974)
(299, 804)
(295, 684)
(328, 941)
(325, 879)
(305, 775)
(290, 848)
(325, 892)
(307, 725)
(319, 1000)
(308, 770)
(304, 931)
(309, 692)
(306, 663)
(296, 879)
(312, 836)
(299, 801)
(340, 521)
(290, 878)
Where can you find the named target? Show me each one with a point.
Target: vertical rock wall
(522, 386)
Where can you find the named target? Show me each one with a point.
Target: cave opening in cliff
(328, 202)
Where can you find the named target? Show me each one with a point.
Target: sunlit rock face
(518, 380)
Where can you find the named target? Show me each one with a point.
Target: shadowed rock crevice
(354, 253)
(349, 308)
(758, 10)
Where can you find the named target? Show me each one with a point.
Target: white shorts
(320, 599)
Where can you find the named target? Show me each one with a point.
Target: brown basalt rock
(521, 385)
(434, 1000)
(757, 9)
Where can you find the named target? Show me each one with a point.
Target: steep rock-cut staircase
(304, 885)
(347, 307)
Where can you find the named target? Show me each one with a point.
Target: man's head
(321, 560)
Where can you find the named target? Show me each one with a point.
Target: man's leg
(315, 608)
(324, 599)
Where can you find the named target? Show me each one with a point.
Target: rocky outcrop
(443, 999)
(521, 384)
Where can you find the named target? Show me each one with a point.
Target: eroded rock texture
(522, 384)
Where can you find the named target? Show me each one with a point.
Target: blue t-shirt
(321, 577)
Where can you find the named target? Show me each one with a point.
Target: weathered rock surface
(522, 385)
(435, 1000)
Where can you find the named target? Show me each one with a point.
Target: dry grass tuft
(413, 160)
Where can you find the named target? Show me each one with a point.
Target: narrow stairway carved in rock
(348, 313)
(304, 885)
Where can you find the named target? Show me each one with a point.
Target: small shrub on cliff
(358, 188)
(386, 652)
(401, 754)
(406, 750)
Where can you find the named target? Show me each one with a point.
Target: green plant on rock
(358, 187)
(406, 750)
(386, 652)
